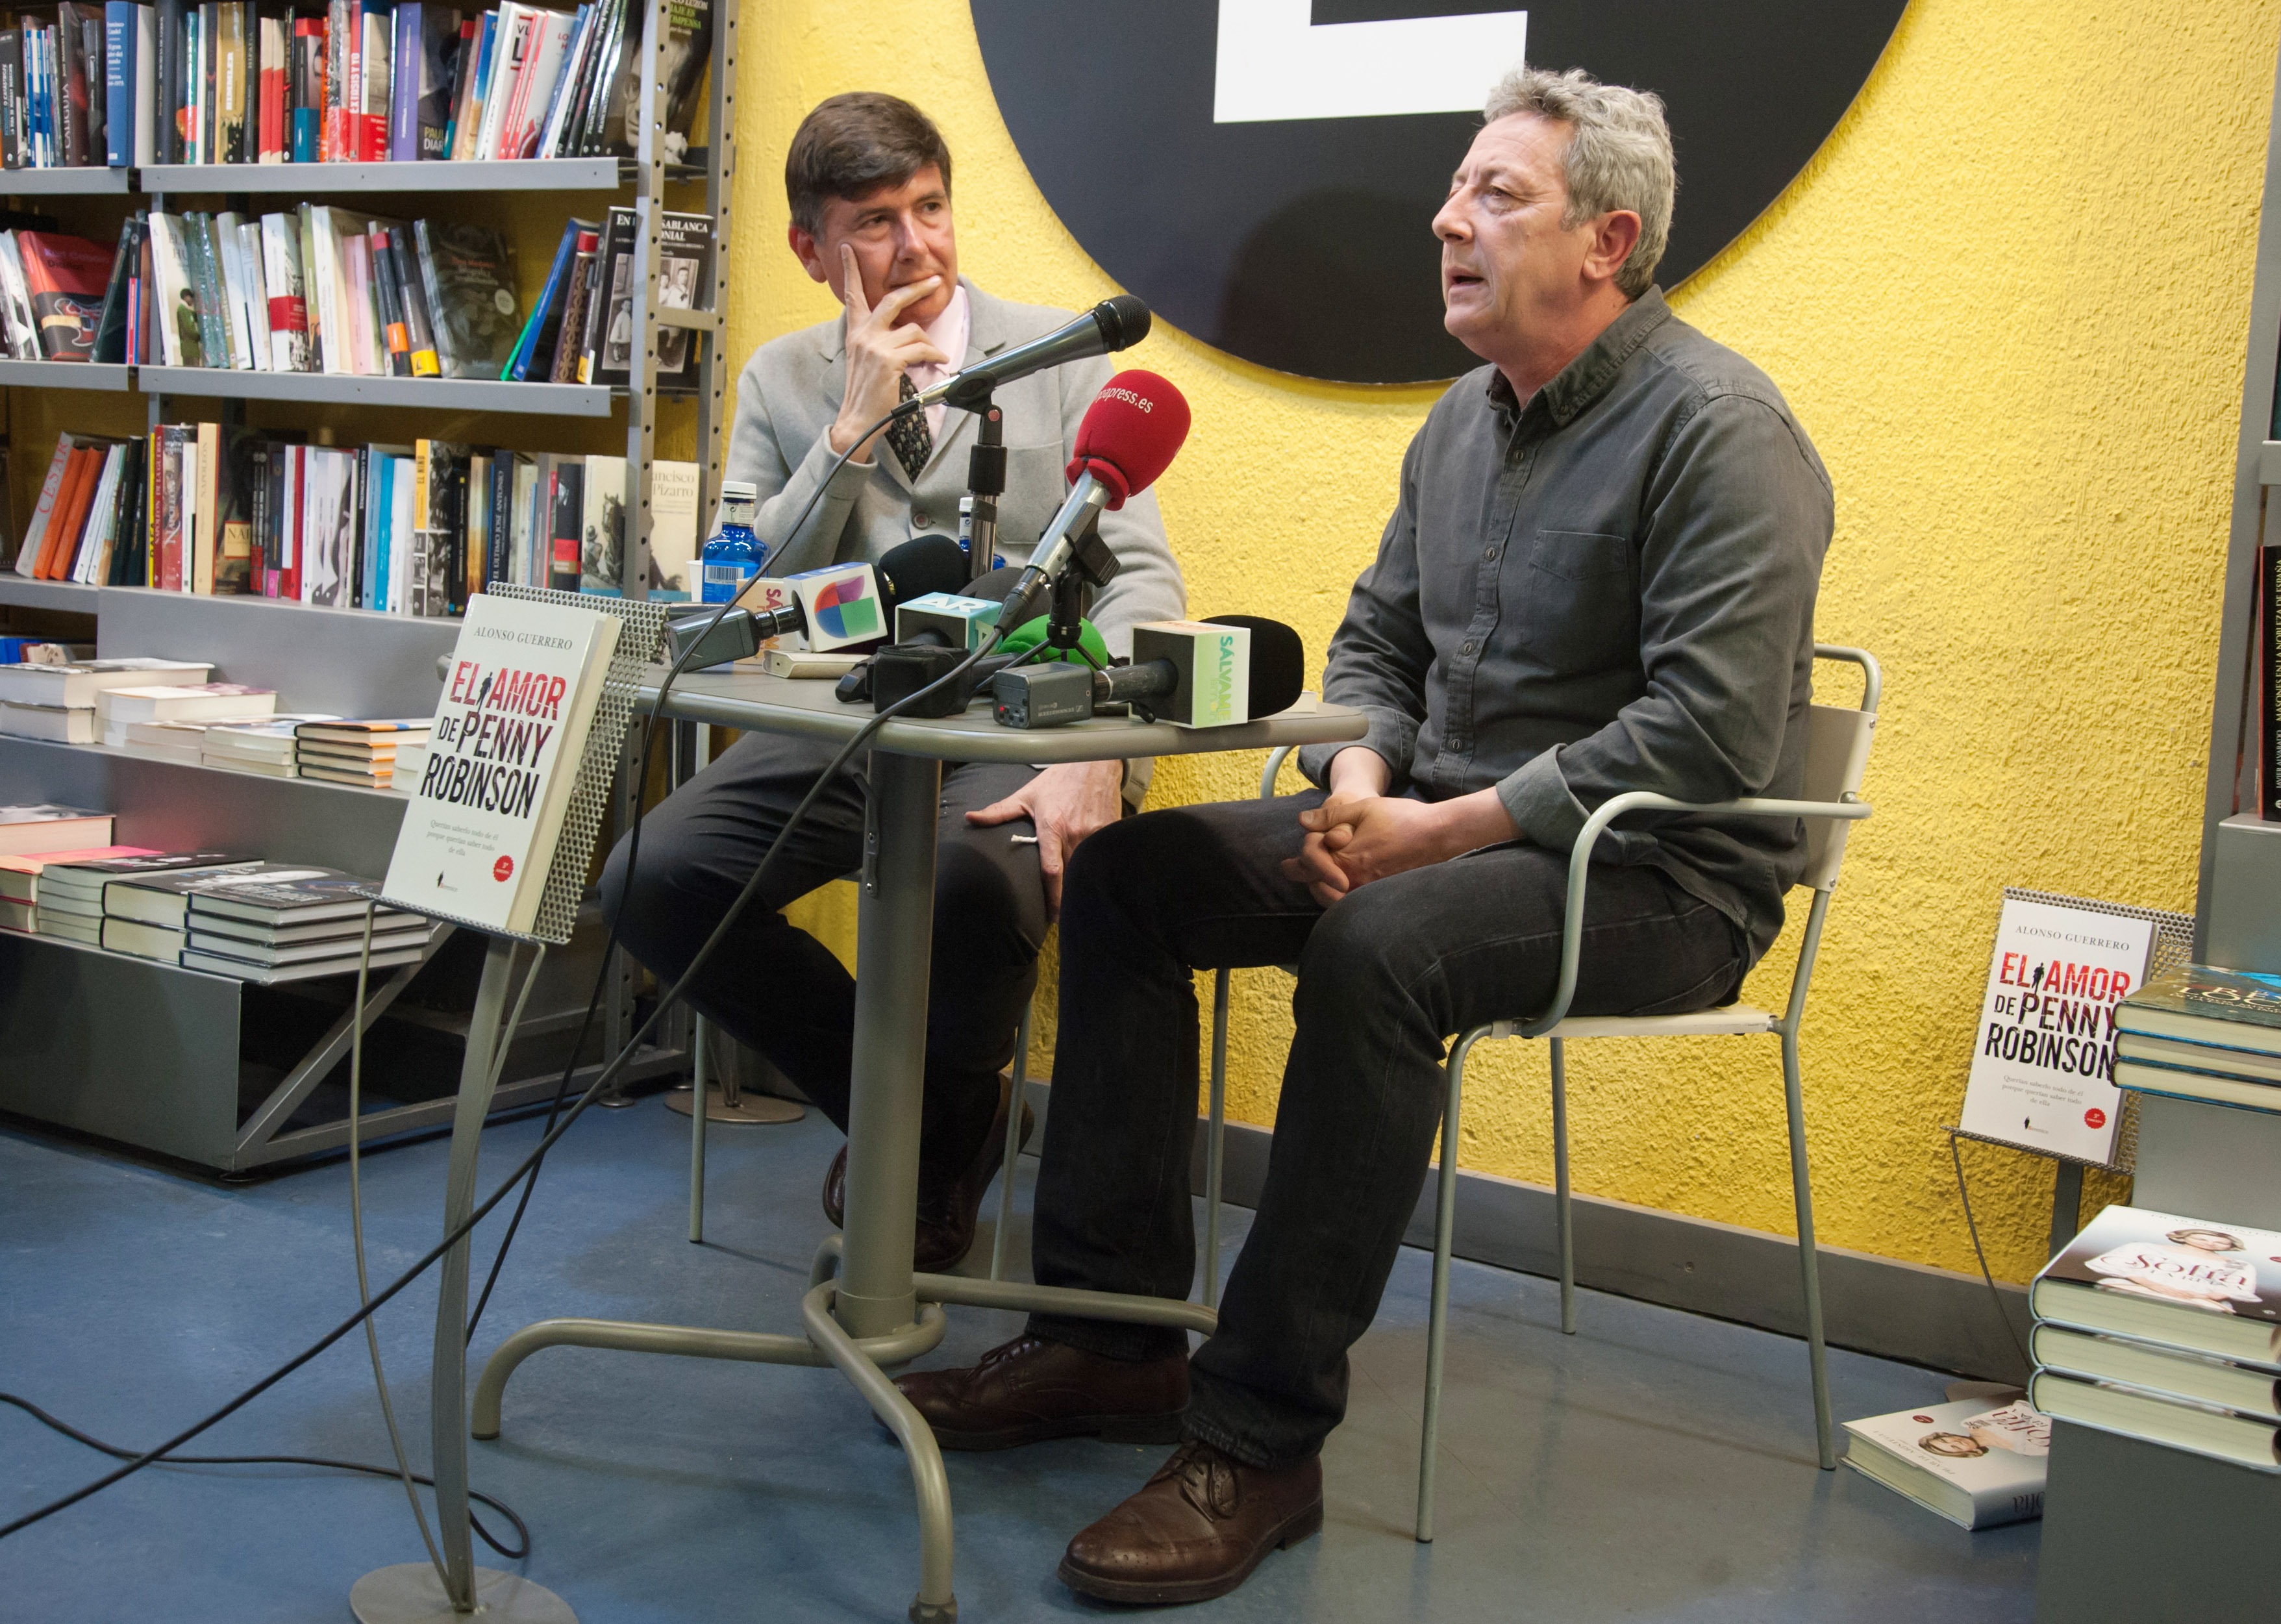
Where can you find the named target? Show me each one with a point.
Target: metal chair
(1837, 755)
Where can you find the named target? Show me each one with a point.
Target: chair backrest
(1837, 757)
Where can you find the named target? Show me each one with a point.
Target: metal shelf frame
(344, 389)
(85, 181)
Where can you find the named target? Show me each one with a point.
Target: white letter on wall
(1274, 64)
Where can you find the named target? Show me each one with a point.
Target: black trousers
(774, 986)
(1385, 977)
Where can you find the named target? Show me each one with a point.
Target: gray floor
(1655, 1466)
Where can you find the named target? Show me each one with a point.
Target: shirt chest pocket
(1579, 604)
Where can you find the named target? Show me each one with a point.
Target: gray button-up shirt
(1609, 588)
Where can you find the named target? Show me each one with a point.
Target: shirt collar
(1587, 377)
(948, 332)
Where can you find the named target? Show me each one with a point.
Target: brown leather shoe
(948, 1213)
(1030, 1390)
(1197, 1529)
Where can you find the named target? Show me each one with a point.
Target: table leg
(874, 1296)
(409, 1593)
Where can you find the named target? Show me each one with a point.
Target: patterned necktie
(912, 440)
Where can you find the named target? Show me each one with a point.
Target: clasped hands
(1362, 834)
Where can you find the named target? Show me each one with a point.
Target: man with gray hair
(1599, 577)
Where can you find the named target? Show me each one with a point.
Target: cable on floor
(515, 1554)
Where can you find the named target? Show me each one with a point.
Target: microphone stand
(985, 482)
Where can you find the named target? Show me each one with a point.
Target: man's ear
(808, 252)
(1614, 238)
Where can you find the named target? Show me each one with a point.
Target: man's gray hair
(1619, 154)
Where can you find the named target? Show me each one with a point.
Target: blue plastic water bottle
(733, 555)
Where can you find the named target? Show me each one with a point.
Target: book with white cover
(51, 723)
(2181, 1282)
(2199, 1429)
(1977, 1465)
(478, 839)
(2042, 1057)
(2193, 1377)
(77, 684)
(199, 702)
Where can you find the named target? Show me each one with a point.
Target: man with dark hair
(1599, 575)
(868, 178)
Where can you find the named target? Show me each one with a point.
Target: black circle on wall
(1307, 245)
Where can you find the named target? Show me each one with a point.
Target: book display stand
(416, 1592)
(2110, 1500)
(168, 1076)
(2174, 948)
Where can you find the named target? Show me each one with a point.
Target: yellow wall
(2008, 301)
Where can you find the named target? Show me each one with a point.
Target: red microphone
(1130, 433)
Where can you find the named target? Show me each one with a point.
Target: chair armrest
(1579, 863)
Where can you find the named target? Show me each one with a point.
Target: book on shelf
(53, 723)
(167, 741)
(19, 874)
(2203, 1034)
(73, 895)
(469, 275)
(260, 892)
(47, 827)
(505, 748)
(77, 684)
(2178, 1283)
(1977, 1465)
(684, 283)
(117, 708)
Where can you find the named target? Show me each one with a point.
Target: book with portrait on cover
(478, 839)
(1977, 1465)
(2210, 1288)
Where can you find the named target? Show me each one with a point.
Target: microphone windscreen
(923, 565)
(1130, 433)
(1278, 661)
(1123, 320)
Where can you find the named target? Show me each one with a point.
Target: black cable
(633, 855)
(1956, 1155)
(116, 1453)
(609, 1071)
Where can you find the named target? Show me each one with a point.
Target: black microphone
(1115, 323)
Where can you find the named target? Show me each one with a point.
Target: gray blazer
(790, 392)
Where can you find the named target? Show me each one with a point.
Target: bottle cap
(739, 490)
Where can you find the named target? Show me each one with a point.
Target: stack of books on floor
(371, 755)
(2202, 1033)
(20, 880)
(1980, 1464)
(265, 922)
(57, 702)
(70, 895)
(2166, 1329)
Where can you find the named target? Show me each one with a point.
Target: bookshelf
(192, 1067)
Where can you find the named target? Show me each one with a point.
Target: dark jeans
(1384, 977)
(777, 988)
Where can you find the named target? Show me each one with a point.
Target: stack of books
(267, 747)
(118, 708)
(265, 921)
(1978, 1465)
(20, 880)
(372, 755)
(2166, 1329)
(2199, 1034)
(71, 895)
(57, 702)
